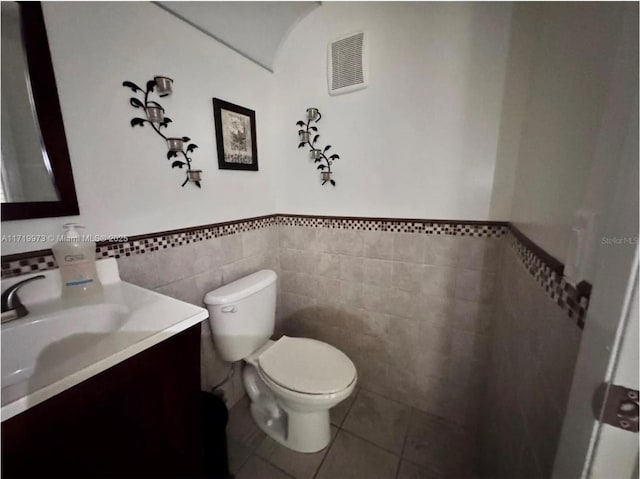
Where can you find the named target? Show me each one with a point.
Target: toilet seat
(307, 366)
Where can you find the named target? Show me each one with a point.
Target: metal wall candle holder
(155, 114)
(175, 144)
(155, 117)
(163, 86)
(317, 154)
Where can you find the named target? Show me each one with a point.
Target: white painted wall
(253, 29)
(570, 90)
(459, 118)
(524, 27)
(421, 141)
(123, 180)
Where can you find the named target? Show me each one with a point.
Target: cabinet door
(140, 418)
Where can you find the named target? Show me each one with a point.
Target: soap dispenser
(77, 262)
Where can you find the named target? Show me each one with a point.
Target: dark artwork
(235, 136)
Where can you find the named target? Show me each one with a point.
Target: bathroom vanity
(137, 419)
(115, 394)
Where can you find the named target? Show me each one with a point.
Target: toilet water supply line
(230, 373)
(155, 114)
(316, 154)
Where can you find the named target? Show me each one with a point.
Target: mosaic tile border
(544, 268)
(16, 265)
(481, 229)
(572, 299)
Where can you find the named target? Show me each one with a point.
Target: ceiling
(253, 29)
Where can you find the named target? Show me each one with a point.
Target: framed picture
(235, 136)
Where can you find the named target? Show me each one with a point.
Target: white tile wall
(411, 309)
(430, 319)
(534, 345)
(189, 271)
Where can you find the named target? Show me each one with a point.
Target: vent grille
(346, 62)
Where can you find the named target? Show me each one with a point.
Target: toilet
(292, 382)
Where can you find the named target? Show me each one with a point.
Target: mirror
(37, 180)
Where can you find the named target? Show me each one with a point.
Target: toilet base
(305, 432)
(301, 432)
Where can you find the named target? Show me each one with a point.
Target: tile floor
(372, 438)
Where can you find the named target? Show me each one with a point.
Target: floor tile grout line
(411, 461)
(404, 442)
(254, 450)
(331, 442)
(370, 391)
(251, 448)
(276, 466)
(371, 442)
(366, 439)
(339, 428)
(413, 411)
(430, 413)
(243, 462)
(355, 398)
(378, 446)
(425, 465)
(400, 456)
(363, 388)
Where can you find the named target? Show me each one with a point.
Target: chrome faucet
(12, 307)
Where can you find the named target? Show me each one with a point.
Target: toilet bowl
(305, 378)
(292, 382)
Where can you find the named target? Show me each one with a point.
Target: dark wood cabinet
(140, 418)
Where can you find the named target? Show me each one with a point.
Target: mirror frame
(49, 116)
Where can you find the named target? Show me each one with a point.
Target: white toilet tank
(242, 314)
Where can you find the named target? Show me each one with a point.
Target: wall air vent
(348, 63)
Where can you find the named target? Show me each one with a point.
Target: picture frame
(235, 128)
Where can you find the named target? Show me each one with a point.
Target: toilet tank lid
(241, 288)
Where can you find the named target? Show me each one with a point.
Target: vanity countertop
(62, 342)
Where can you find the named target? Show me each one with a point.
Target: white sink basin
(47, 338)
(62, 342)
